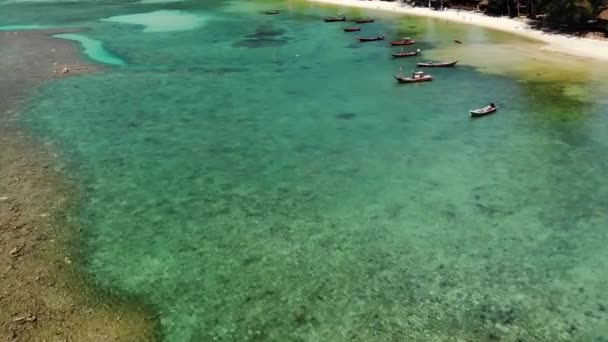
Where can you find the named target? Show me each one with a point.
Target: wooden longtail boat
(489, 109)
(417, 76)
(404, 54)
(364, 21)
(436, 65)
(404, 41)
(351, 29)
(271, 12)
(334, 19)
(370, 39)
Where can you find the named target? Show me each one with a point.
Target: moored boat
(334, 19)
(370, 39)
(404, 54)
(489, 109)
(417, 76)
(351, 29)
(271, 12)
(436, 65)
(364, 21)
(404, 41)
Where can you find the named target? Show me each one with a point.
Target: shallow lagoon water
(264, 178)
(21, 27)
(93, 48)
(160, 21)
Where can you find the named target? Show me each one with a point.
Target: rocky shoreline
(43, 297)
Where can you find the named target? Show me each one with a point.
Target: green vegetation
(563, 14)
(572, 12)
(557, 11)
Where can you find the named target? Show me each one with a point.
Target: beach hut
(603, 16)
(602, 20)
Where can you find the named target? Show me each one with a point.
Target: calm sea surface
(263, 178)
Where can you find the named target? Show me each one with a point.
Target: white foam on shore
(583, 47)
(161, 21)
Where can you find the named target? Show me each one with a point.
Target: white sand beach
(582, 47)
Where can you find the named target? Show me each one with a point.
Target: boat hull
(402, 42)
(333, 20)
(351, 29)
(437, 65)
(373, 39)
(482, 112)
(402, 79)
(403, 54)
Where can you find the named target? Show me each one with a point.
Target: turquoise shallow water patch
(94, 49)
(22, 27)
(161, 21)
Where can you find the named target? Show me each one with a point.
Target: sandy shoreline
(582, 47)
(44, 298)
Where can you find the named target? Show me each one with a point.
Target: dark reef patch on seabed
(265, 36)
(266, 32)
(346, 116)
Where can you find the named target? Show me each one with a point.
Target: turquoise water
(93, 48)
(161, 21)
(263, 178)
(21, 27)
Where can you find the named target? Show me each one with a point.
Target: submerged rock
(299, 315)
(265, 36)
(346, 116)
(25, 319)
(15, 251)
(266, 32)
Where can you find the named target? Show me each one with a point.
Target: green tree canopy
(571, 12)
